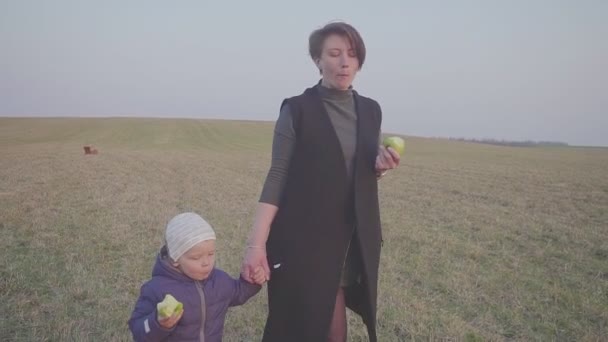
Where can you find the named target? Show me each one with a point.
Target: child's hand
(259, 276)
(170, 321)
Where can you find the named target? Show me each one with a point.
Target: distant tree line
(526, 143)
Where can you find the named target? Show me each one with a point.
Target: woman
(317, 229)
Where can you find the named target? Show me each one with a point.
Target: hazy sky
(529, 69)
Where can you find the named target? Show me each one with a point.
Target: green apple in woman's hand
(396, 143)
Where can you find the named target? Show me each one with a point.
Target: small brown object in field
(89, 150)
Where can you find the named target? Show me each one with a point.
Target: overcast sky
(517, 70)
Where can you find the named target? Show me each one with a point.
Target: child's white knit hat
(184, 231)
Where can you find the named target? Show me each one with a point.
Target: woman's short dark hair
(317, 39)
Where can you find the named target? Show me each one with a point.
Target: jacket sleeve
(143, 323)
(242, 290)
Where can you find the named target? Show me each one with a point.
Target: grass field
(481, 242)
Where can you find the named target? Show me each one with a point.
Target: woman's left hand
(387, 159)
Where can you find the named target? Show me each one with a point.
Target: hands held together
(255, 265)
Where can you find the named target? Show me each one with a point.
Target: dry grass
(481, 242)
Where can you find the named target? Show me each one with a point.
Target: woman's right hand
(255, 257)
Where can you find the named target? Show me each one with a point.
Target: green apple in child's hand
(168, 307)
(396, 143)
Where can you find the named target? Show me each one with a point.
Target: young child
(185, 269)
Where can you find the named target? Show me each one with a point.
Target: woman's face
(338, 63)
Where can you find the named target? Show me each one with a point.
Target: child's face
(198, 261)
